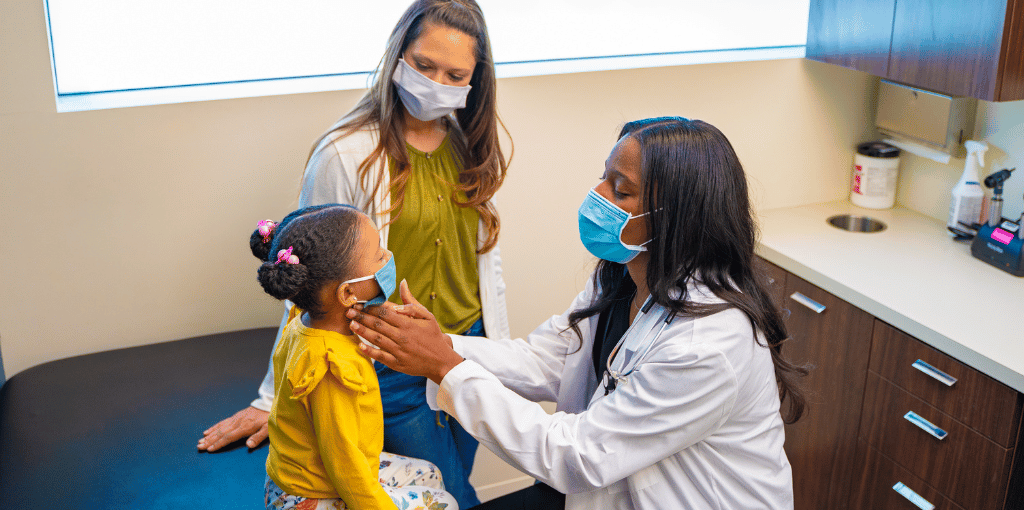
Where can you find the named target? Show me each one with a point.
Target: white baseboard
(494, 490)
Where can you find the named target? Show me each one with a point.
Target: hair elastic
(286, 257)
(265, 228)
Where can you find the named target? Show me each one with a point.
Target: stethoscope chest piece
(612, 381)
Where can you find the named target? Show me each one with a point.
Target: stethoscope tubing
(614, 377)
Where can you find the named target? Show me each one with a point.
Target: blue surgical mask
(424, 98)
(385, 277)
(601, 225)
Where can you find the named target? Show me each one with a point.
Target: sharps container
(875, 169)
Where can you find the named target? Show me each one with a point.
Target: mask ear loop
(642, 246)
(372, 277)
(360, 279)
(364, 278)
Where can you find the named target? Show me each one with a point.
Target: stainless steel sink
(855, 223)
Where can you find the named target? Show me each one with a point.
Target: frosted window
(130, 46)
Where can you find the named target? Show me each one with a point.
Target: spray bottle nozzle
(997, 179)
(975, 148)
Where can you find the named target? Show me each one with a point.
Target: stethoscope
(613, 377)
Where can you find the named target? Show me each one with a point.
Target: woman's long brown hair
(473, 130)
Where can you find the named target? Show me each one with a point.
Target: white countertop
(911, 275)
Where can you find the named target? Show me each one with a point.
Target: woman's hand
(250, 422)
(408, 337)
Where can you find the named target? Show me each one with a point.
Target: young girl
(326, 423)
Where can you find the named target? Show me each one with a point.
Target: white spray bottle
(965, 206)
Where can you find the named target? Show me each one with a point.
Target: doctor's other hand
(408, 337)
(250, 422)
(411, 306)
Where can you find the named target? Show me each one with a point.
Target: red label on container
(1002, 236)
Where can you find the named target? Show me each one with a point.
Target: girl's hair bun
(259, 248)
(308, 249)
(282, 281)
(262, 238)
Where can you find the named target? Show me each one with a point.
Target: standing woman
(420, 155)
(667, 369)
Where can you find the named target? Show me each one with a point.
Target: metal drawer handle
(912, 496)
(934, 373)
(925, 425)
(815, 306)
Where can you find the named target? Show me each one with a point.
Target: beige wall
(794, 124)
(126, 227)
(925, 185)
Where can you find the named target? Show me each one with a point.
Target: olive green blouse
(434, 241)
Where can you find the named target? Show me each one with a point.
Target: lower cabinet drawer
(972, 398)
(881, 484)
(965, 466)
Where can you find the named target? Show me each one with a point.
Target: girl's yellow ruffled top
(326, 424)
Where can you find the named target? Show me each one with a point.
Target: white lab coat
(696, 425)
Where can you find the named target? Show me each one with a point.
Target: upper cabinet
(851, 33)
(973, 49)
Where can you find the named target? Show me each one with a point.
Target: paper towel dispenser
(937, 121)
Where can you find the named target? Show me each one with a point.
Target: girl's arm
(342, 416)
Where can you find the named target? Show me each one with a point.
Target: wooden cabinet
(964, 466)
(973, 49)
(875, 478)
(947, 424)
(855, 34)
(973, 398)
(878, 402)
(776, 280)
(832, 337)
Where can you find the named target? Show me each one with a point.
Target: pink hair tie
(286, 257)
(265, 228)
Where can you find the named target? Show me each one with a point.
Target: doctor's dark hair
(473, 130)
(703, 230)
(323, 238)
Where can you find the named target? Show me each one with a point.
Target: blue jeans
(413, 430)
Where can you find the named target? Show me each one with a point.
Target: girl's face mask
(424, 98)
(601, 225)
(385, 277)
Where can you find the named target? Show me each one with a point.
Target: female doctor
(667, 370)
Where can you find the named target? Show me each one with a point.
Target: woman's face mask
(601, 225)
(424, 98)
(385, 277)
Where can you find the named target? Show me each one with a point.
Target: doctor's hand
(408, 337)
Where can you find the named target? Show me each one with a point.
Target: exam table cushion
(118, 429)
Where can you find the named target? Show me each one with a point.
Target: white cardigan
(696, 425)
(331, 176)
